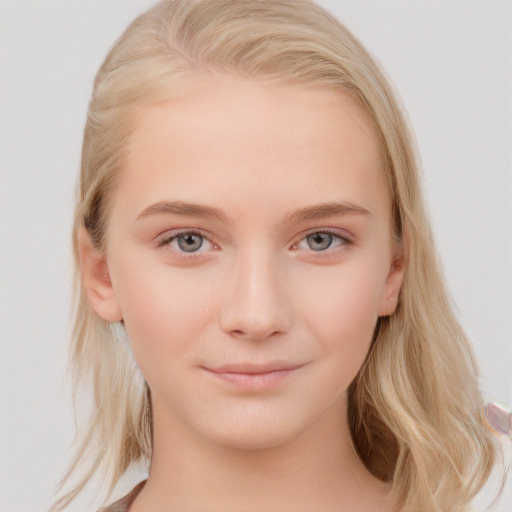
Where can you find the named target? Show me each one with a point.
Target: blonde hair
(415, 407)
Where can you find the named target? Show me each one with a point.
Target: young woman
(260, 310)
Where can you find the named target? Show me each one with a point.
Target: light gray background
(450, 61)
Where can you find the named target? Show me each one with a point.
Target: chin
(256, 429)
(253, 440)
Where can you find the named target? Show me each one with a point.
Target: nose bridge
(256, 306)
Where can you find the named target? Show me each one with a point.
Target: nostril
(252, 334)
(255, 332)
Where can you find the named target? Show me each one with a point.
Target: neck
(319, 470)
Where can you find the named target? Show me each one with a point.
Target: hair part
(415, 407)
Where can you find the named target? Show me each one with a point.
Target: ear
(96, 281)
(393, 285)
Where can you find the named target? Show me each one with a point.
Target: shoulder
(123, 504)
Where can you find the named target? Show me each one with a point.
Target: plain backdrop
(450, 60)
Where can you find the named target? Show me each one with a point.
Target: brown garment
(123, 505)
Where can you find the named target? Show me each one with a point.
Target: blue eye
(186, 242)
(190, 242)
(319, 241)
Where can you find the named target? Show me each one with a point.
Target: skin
(249, 341)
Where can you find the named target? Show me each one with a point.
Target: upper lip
(252, 368)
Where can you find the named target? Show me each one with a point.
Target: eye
(190, 242)
(321, 241)
(187, 242)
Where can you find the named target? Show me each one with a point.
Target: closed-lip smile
(253, 377)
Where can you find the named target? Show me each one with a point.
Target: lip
(253, 377)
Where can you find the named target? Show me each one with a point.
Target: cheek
(163, 308)
(340, 306)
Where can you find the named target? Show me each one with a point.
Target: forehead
(227, 99)
(251, 135)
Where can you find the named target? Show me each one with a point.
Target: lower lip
(254, 381)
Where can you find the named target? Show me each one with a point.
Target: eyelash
(343, 241)
(173, 236)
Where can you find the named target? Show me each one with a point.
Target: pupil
(190, 243)
(319, 241)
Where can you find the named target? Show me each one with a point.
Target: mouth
(251, 377)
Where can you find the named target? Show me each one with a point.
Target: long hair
(415, 407)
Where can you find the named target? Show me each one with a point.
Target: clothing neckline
(124, 504)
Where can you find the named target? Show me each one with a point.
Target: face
(249, 254)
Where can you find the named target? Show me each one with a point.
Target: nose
(255, 305)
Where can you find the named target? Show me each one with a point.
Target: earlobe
(96, 281)
(393, 286)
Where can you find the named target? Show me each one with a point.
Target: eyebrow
(186, 209)
(324, 210)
